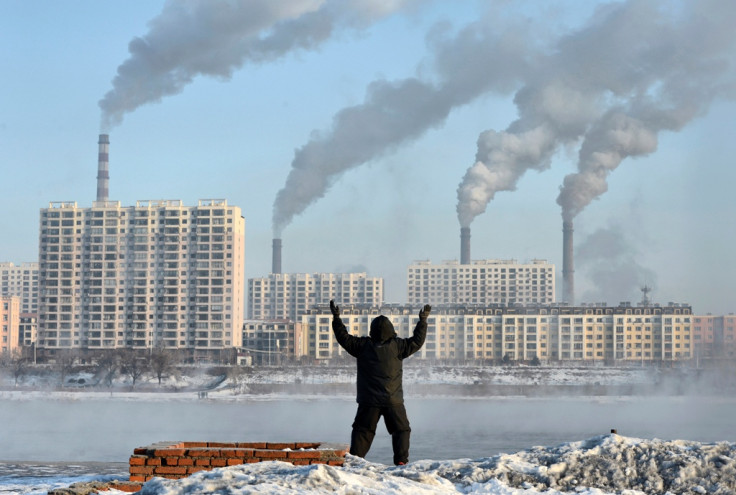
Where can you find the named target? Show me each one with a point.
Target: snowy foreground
(601, 465)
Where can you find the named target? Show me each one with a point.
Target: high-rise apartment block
(155, 274)
(481, 282)
(286, 296)
(626, 334)
(9, 323)
(22, 281)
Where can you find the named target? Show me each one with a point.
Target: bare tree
(134, 365)
(64, 359)
(108, 364)
(162, 363)
(18, 364)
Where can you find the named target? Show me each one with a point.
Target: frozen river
(107, 429)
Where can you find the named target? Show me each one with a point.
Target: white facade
(481, 282)
(21, 281)
(589, 333)
(155, 274)
(287, 296)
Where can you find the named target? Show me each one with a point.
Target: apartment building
(22, 281)
(155, 274)
(28, 329)
(286, 296)
(588, 333)
(9, 323)
(273, 342)
(481, 282)
(714, 337)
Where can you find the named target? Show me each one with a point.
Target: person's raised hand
(424, 312)
(334, 308)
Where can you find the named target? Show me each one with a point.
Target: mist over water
(108, 429)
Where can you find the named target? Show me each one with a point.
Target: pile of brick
(180, 459)
(177, 460)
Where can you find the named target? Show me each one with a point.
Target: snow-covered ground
(476, 380)
(601, 465)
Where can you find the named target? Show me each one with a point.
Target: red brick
(192, 445)
(234, 461)
(137, 477)
(252, 445)
(270, 454)
(203, 453)
(336, 462)
(218, 462)
(202, 462)
(195, 469)
(169, 452)
(279, 445)
(300, 462)
(137, 460)
(153, 461)
(141, 469)
(171, 470)
(236, 452)
(141, 450)
(186, 461)
(171, 461)
(252, 460)
(303, 454)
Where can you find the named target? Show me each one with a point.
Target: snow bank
(600, 465)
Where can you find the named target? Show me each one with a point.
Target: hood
(382, 329)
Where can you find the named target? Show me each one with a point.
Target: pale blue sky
(670, 212)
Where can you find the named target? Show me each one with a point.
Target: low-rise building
(548, 333)
(9, 323)
(273, 342)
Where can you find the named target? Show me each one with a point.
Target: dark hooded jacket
(380, 357)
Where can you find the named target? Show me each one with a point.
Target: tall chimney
(464, 245)
(276, 257)
(568, 265)
(103, 167)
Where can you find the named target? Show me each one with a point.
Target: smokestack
(276, 258)
(568, 270)
(465, 245)
(103, 167)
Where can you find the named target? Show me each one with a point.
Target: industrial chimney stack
(465, 245)
(276, 257)
(568, 266)
(103, 167)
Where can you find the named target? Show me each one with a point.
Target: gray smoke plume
(610, 262)
(215, 37)
(395, 112)
(686, 60)
(634, 69)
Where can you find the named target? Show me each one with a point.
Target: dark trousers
(364, 429)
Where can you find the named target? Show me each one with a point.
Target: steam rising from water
(216, 37)
(635, 69)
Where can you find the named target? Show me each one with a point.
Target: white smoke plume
(477, 60)
(191, 38)
(636, 68)
(687, 60)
